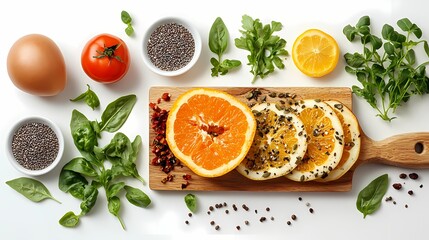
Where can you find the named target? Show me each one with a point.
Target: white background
(72, 23)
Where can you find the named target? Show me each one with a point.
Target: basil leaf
(129, 30)
(137, 197)
(90, 98)
(69, 220)
(31, 189)
(82, 166)
(218, 37)
(116, 113)
(191, 202)
(125, 17)
(369, 198)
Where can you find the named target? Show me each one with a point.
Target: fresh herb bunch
(390, 77)
(218, 43)
(265, 48)
(369, 198)
(84, 175)
(126, 18)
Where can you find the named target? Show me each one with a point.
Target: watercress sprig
(387, 68)
(218, 43)
(266, 50)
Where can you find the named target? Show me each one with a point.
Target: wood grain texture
(398, 151)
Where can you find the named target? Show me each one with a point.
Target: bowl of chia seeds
(34, 145)
(171, 46)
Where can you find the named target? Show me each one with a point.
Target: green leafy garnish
(218, 43)
(387, 67)
(31, 189)
(84, 175)
(90, 98)
(265, 48)
(126, 18)
(369, 198)
(191, 202)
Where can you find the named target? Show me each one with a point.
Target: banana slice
(325, 140)
(278, 146)
(352, 141)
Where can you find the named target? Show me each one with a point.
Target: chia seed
(35, 146)
(171, 46)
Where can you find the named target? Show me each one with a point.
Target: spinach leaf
(82, 166)
(116, 113)
(90, 98)
(90, 195)
(31, 189)
(73, 183)
(218, 43)
(69, 220)
(369, 198)
(191, 202)
(137, 197)
(119, 148)
(114, 205)
(114, 189)
(83, 134)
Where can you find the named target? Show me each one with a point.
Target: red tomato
(105, 58)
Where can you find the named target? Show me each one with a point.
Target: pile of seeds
(35, 146)
(171, 47)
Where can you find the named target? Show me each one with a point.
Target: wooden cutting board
(406, 150)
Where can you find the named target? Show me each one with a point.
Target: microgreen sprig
(389, 75)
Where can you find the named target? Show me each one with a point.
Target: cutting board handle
(409, 150)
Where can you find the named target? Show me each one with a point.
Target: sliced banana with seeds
(278, 146)
(325, 140)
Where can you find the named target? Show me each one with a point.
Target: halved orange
(210, 131)
(325, 141)
(315, 53)
(351, 140)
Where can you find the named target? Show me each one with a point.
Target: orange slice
(210, 131)
(315, 53)
(352, 141)
(279, 144)
(325, 142)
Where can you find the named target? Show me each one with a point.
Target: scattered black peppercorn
(238, 228)
(246, 222)
(187, 222)
(421, 185)
(267, 209)
(226, 211)
(288, 223)
(234, 207)
(211, 208)
(413, 176)
(300, 198)
(397, 186)
(212, 223)
(256, 211)
(208, 212)
(293, 217)
(406, 205)
(190, 214)
(262, 219)
(245, 207)
(217, 227)
(402, 176)
(410, 192)
(311, 210)
(272, 218)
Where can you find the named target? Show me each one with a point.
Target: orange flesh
(347, 139)
(204, 133)
(321, 138)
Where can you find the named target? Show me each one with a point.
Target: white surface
(72, 23)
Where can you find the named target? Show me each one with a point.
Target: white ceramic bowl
(22, 122)
(191, 29)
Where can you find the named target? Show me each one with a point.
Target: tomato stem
(109, 52)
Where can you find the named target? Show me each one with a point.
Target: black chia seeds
(35, 146)
(171, 47)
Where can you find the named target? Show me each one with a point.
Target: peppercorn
(238, 228)
(246, 222)
(226, 211)
(187, 222)
(410, 192)
(234, 207)
(217, 227)
(397, 186)
(190, 214)
(311, 210)
(293, 217)
(267, 209)
(262, 219)
(245, 207)
(413, 176)
(288, 223)
(402, 176)
(212, 223)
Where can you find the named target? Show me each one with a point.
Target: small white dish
(197, 51)
(34, 119)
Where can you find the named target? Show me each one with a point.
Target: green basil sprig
(126, 18)
(218, 43)
(31, 189)
(90, 98)
(369, 198)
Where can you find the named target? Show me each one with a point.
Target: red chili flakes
(187, 177)
(185, 185)
(163, 156)
(169, 178)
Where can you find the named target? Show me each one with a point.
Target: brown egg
(36, 65)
